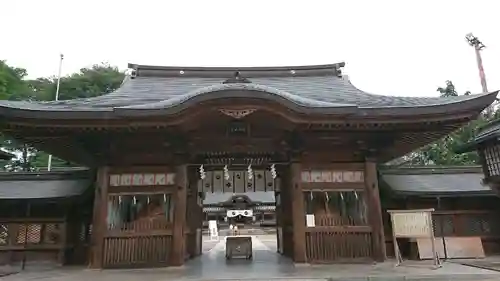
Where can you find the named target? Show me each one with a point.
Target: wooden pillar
(194, 220)
(299, 221)
(178, 243)
(375, 210)
(61, 256)
(99, 217)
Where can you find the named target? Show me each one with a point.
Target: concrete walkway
(266, 265)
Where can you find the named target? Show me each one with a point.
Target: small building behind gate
(464, 207)
(46, 216)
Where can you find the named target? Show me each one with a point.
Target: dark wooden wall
(56, 230)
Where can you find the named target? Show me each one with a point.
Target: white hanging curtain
(115, 212)
(167, 204)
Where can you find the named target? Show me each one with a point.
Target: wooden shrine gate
(324, 214)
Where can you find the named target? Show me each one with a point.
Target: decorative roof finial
(237, 79)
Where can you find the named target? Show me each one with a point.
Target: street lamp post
(49, 162)
(478, 46)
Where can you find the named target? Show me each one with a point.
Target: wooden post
(61, 257)
(178, 243)
(99, 217)
(375, 210)
(193, 217)
(299, 221)
(25, 242)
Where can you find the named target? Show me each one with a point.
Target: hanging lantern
(250, 172)
(226, 173)
(273, 171)
(202, 173)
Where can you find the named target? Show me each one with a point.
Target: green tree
(88, 82)
(12, 85)
(449, 90)
(97, 80)
(442, 152)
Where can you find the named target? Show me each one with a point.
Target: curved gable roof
(163, 90)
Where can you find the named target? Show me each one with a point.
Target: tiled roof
(492, 129)
(44, 185)
(5, 155)
(159, 90)
(257, 196)
(213, 209)
(488, 133)
(434, 181)
(265, 208)
(221, 209)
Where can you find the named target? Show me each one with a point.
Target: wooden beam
(66, 149)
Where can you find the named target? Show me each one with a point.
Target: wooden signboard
(464, 247)
(456, 247)
(413, 224)
(424, 246)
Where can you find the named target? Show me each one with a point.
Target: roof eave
(448, 194)
(232, 68)
(476, 104)
(472, 106)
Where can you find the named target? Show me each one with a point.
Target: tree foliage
(442, 152)
(88, 82)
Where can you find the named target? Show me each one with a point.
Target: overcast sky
(405, 48)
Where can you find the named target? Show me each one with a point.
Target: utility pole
(478, 46)
(49, 162)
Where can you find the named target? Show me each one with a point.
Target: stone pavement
(266, 265)
(491, 263)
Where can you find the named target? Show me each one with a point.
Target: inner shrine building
(170, 135)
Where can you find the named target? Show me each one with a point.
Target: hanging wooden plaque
(141, 179)
(327, 176)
